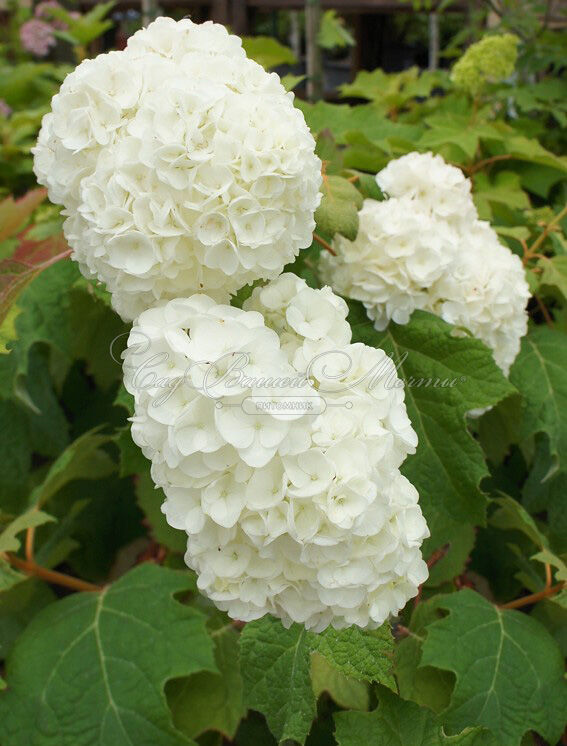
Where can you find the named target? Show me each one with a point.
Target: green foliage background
(141, 657)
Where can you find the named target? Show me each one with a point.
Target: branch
(470, 170)
(324, 244)
(544, 311)
(538, 242)
(51, 576)
(534, 597)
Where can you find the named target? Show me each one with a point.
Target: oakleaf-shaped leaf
(91, 668)
(396, 722)
(509, 669)
(211, 701)
(338, 211)
(275, 668)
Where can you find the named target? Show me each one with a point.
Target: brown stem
(486, 162)
(545, 312)
(534, 597)
(51, 576)
(548, 576)
(437, 555)
(538, 242)
(30, 535)
(324, 244)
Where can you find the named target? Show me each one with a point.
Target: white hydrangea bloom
(485, 291)
(434, 186)
(182, 166)
(282, 469)
(425, 248)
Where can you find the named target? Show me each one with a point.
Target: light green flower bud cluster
(490, 60)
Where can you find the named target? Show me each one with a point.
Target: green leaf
(510, 516)
(338, 211)
(44, 318)
(30, 258)
(503, 189)
(290, 81)
(18, 607)
(91, 668)
(83, 459)
(509, 670)
(554, 272)
(211, 701)
(367, 119)
(15, 455)
(346, 692)
(396, 722)
(429, 687)
(445, 377)
(275, 668)
(539, 375)
(29, 519)
(332, 32)
(360, 654)
(545, 490)
(14, 213)
(267, 51)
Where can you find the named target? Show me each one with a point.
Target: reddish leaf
(13, 212)
(29, 259)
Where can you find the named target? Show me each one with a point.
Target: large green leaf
(91, 668)
(211, 701)
(445, 378)
(539, 375)
(396, 722)
(509, 669)
(368, 119)
(275, 669)
(18, 606)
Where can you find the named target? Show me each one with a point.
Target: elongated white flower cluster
(182, 166)
(278, 445)
(425, 248)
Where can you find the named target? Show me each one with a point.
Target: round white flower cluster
(278, 445)
(425, 248)
(182, 167)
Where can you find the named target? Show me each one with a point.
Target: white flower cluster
(425, 248)
(278, 445)
(182, 167)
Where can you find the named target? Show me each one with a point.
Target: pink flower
(37, 37)
(42, 11)
(5, 110)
